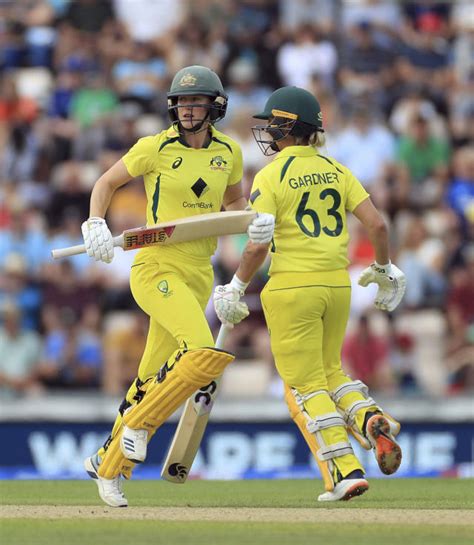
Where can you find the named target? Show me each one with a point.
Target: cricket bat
(174, 232)
(191, 427)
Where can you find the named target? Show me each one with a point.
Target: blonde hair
(316, 140)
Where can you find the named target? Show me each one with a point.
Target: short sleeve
(237, 168)
(262, 198)
(355, 192)
(141, 158)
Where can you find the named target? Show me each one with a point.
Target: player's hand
(261, 229)
(391, 281)
(229, 308)
(98, 239)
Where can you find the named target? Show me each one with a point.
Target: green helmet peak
(198, 80)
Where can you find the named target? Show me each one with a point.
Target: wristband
(383, 269)
(238, 284)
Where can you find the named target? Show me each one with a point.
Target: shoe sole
(387, 451)
(356, 490)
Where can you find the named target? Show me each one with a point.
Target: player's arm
(105, 187)
(234, 198)
(388, 277)
(252, 259)
(376, 228)
(227, 304)
(97, 236)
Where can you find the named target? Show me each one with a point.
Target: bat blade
(176, 231)
(188, 229)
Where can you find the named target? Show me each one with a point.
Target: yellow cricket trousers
(173, 290)
(307, 315)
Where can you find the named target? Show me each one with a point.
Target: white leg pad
(327, 452)
(347, 388)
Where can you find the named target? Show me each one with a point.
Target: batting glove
(229, 309)
(391, 282)
(261, 229)
(98, 239)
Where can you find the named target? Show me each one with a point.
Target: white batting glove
(98, 239)
(391, 281)
(229, 309)
(261, 229)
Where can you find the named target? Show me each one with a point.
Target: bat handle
(222, 335)
(80, 249)
(67, 252)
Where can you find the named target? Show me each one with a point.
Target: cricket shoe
(350, 487)
(133, 444)
(110, 490)
(387, 451)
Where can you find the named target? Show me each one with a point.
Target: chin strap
(194, 130)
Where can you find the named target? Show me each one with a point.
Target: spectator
(63, 288)
(194, 46)
(244, 90)
(70, 196)
(91, 108)
(20, 350)
(367, 68)
(423, 162)
(425, 54)
(16, 289)
(422, 262)
(383, 14)
(460, 304)
(88, 15)
(366, 146)
(403, 360)
(67, 233)
(24, 237)
(139, 76)
(306, 54)
(157, 21)
(365, 356)
(72, 354)
(123, 349)
(460, 192)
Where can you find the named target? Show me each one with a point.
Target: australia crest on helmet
(188, 80)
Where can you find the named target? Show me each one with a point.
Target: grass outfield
(394, 511)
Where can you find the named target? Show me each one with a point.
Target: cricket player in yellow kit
(189, 169)
(307, 299)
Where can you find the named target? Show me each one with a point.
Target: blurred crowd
(82, 80)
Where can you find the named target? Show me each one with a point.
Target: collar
(297, 151)
(173, 133)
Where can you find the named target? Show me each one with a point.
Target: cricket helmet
(198, 80)
(289, 111)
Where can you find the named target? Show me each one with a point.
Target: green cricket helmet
(198, 80)
(289, 111)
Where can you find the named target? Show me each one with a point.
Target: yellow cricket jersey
(181, 181)
(308, 194)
